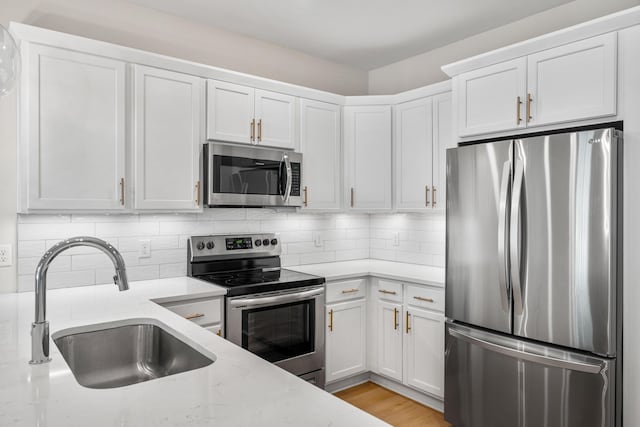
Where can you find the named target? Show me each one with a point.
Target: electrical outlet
(317, 239)
(144, 250)
(5, 256)
(396, 239)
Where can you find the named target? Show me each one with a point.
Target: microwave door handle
(287, 190)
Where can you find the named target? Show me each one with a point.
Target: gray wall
(424, 69)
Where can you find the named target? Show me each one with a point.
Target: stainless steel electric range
(274, 313)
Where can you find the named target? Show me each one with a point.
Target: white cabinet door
(230, 115)
(367, 139)
(345, 339)
(389, 327)
(424, 350)
(321, 150)
(574, 81)
(413, 145)
(490, 98)
(76, 130)
(167, 138)
(442, 140)
(275, 119)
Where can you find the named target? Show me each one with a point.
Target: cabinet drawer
(430, 298)
(349, 289)
(389, 290)
(202, 312)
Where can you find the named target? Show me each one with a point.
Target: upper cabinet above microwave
(245, 115)
(576, 81)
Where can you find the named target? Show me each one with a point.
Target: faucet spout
(40, 327)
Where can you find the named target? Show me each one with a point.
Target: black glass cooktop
(261, 280)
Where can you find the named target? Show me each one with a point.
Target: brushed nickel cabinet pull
(529, 100)
(426, 195)
(518, 108)
(194, 316)
(253, 130)
(395, 319)
(331, 320)
(351, 196)
(408, 325)
(350, 291)
(198, 193)
(122, 191)
(423, 299)
(260, 130)
(433, 197)
(384, 291)
(306, 196)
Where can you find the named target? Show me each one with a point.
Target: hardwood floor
(391, 407)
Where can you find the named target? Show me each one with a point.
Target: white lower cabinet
(346, 328)
(410, 335)
(389, 331)
(424, 350)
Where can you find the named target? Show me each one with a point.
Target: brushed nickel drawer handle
(395, 319)
(350, 291)
(529, 100)
(518, 107)
(331, 320)
(253, 130)
(384, 291)
(194, 316)
(260, 130)
(424, 299)
(426, 196)
(408, 322)
(433, 197)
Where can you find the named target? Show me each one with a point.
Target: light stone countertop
(400, 271)
(238, 389)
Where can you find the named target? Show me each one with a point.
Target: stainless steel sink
(115, 356)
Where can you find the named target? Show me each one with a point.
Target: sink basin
(111, 356)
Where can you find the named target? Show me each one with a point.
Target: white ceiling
(361, 33)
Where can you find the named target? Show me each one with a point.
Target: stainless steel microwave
(251, 176)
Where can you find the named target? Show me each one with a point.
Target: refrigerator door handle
(503, 234)
(591, 368)
(514, 237)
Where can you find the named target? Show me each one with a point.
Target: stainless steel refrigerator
(533, 282)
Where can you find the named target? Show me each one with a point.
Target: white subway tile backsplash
(342, 237)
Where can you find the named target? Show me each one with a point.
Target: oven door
(285, 328)
(249, 176)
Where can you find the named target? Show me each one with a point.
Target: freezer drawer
(497, 381)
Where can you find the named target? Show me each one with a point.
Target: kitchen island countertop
(238, 389)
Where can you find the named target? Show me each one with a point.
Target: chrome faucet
(40, 328)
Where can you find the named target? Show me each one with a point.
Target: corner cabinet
(346, 320)
(576, 81)
(242, 114)
(367, 141)
(73, 113)
(422, 135)
(320, 145)
(167, 126)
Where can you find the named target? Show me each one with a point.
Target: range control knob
(265, 242)
(210, 245)
(258, 242)
(274, 242)
(200, 246)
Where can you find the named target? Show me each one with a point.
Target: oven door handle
(277, 299)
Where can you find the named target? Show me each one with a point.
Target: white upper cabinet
(242, 114)
(321, 150)
(491, 99)
(168, 110)
(423, 132)
(367, 140)
(413, 154)
(573, 82)
(74, 125)
(275, 119)
(443, 139)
